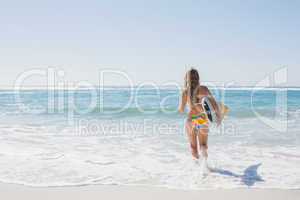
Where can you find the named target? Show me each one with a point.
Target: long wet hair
(192, 82)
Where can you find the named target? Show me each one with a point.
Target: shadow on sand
(249, 177)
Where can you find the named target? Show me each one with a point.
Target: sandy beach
(11, 191)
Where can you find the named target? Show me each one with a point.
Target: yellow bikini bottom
(199, 121)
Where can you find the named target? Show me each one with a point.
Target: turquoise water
(142, 103)
(135, 136)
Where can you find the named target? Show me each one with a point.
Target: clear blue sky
(152, 40)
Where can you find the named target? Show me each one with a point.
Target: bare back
(196, 107)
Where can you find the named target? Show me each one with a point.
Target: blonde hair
(192, 82)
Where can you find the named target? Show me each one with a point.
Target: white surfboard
(210, 111)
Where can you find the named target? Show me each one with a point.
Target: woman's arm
(183, 102)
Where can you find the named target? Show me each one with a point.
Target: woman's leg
(203, 137)
(192, 138)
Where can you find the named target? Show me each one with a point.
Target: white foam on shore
(37, 157)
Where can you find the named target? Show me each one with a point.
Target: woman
(197, 121)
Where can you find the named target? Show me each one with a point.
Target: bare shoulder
(203, 90)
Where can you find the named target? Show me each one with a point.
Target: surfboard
(210, 111)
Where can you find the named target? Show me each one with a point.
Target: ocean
(135, 136)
